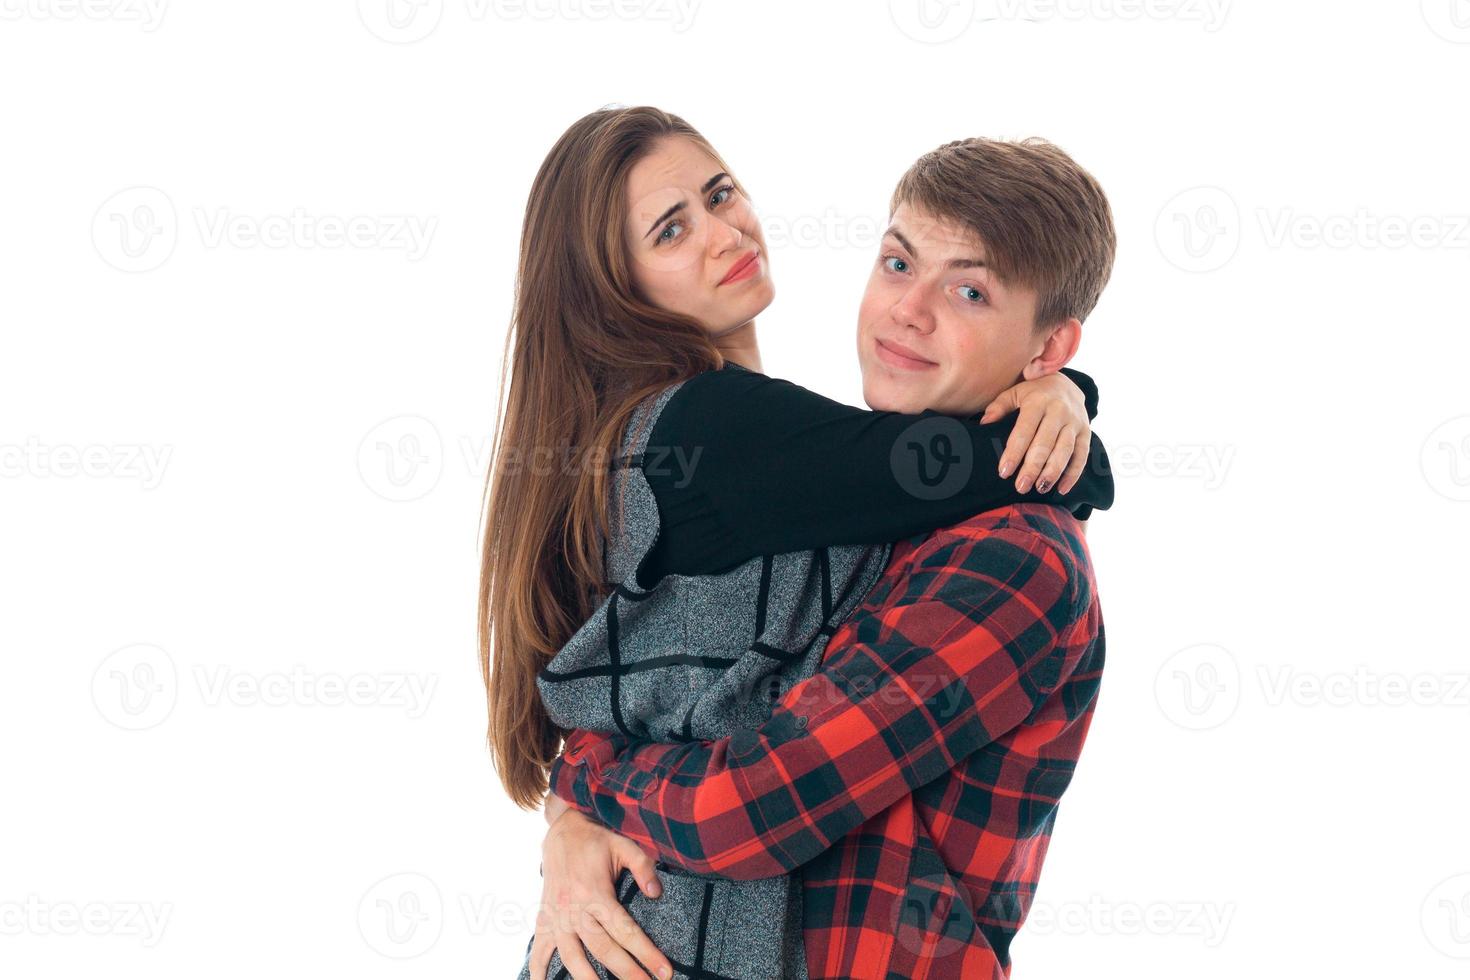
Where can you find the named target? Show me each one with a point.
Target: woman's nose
(723, 236)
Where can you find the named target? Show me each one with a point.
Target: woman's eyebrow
(665, 216)
(671, 211)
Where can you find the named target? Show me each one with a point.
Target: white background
(241, 716)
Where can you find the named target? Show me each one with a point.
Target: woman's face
(694, 244)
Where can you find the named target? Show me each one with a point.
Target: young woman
(671, 534)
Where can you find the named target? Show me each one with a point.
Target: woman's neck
(739, 344)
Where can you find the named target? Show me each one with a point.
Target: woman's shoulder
(670, 409)
(733, 399)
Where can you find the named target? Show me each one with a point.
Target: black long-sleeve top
(742, 464)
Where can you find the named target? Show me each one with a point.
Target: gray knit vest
(698, 657)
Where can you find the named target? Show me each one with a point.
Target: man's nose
(912, 309)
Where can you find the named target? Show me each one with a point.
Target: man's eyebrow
(907, 245)
(665, 216)
(962, 263)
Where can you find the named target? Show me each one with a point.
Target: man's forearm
(912, 694)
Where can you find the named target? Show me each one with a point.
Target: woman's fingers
(1039, 452)
(628, 854)
(612, 956)
(564, 917)
(1004, 404)
(626, 933)
(623, 928)
(1078, 463)
(1021, 436)
(541, 951)
(1056, 463)
(572, 955)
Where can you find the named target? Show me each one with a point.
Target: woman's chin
(737, 319)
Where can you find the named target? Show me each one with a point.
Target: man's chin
(885, 396)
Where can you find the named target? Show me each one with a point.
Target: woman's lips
(897, 358)
(746, 267)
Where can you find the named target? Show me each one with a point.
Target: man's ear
(1058, 346)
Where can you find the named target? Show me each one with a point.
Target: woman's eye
(669, 234)
(722, 195)
(895, 264)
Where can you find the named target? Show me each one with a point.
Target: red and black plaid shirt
(915, 778)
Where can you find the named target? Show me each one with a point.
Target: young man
(915, 778)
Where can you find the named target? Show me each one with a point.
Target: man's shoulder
(1007, 540)
(1053, 523)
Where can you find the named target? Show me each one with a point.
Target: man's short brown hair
(1044, 221)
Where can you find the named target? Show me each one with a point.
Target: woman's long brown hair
(583, 350)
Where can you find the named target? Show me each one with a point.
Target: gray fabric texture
(700, 657)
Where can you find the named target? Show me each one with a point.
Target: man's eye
(896, 264)
(972, 294)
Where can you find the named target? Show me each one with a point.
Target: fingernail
(652, 888)
(1005, 469)
(1041, 487)
(665, 972)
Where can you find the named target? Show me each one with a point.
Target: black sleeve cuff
(1089, 389)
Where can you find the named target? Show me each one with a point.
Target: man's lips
(744, 267)
(900, 356)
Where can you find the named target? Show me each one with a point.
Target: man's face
(937, 328)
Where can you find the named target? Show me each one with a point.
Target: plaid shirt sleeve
(966, 646)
